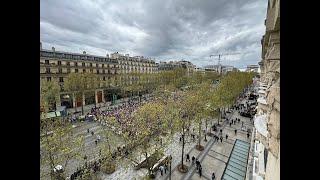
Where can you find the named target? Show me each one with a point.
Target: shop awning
(260, 123)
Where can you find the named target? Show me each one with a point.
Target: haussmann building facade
(56, 65)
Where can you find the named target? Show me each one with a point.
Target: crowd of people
(91, 166)
(122, 121)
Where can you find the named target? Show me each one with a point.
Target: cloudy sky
(161, 29)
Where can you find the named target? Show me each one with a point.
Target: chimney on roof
(84, 52)
(40, 46)
(53, 49)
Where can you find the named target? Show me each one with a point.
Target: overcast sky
(160, 29)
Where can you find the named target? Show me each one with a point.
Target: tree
(59, 147)
(79, 83)
(182, 119)
(147, 119)
(49, 94)
(109, 163)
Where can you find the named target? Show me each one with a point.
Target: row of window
(132, 63)
(61, 79)
(48, 71)
(83, 64)
(75, 57)
(76, 64)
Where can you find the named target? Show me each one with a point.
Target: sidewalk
(215, 155)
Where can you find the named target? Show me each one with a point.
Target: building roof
(61, 54)
(74, 56)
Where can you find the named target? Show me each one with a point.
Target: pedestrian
(235, 132)
(230, 124)
(200, 170)
(238, 120)
(248, 135)
(92, 133)
(188, 158)
(226, 136)
(221, 131)
(180, 139)
(96, 142)
(213, 176)
(221, 138)
(197, 164)
(88, 131)
(165, 168)
(161, 170)
(193, 159)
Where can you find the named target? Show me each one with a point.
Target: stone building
(269, 100)
(167, 66)
(171, 65)
(223, 69)
(136, 64)
(252, 68)
(56, 65)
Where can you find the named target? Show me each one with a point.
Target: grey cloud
(173, 29)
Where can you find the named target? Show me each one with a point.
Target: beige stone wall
(273, 167)
(270, 74)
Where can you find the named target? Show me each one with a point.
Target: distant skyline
(164, 30)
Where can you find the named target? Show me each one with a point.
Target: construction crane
(219, 59)
(220, 55)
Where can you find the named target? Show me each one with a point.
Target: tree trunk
(182, 152)
(51, 157)
(219, 117)
(82, 103)
(205, 134)
(199, 142)
(75, 107)
(149, 169)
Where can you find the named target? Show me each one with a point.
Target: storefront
(99, 96)
(90, 98)
(66, 100)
